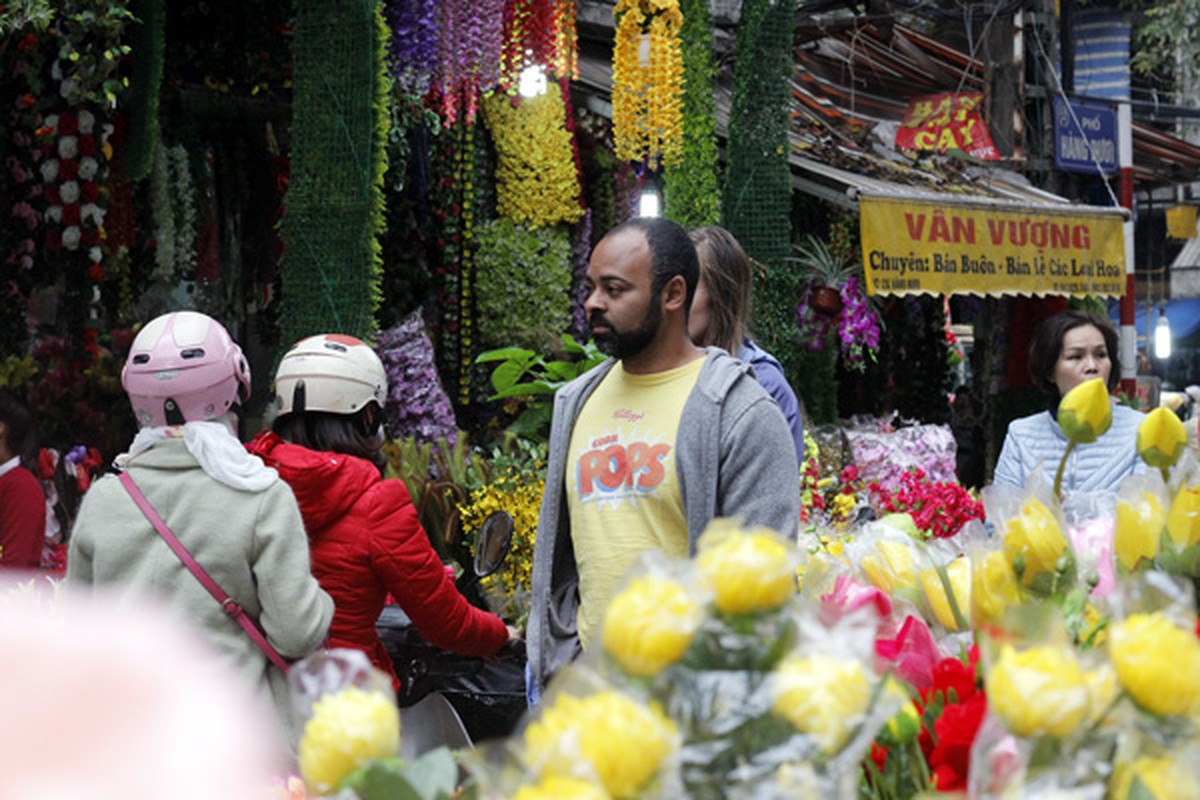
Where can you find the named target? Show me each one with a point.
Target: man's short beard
(626, 345)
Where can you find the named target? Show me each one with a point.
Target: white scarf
(215, 447)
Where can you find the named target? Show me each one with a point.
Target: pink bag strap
(228, 604)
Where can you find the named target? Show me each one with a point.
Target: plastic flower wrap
(830, 693)
(592, 732)
(887, 557)
(1141, 513)
(1163, 775)
(994, 586)
(1179, 550)
(1050, 729)
(651, 623)
(1038, 691)
(1089, 521)
(350, 716)
(946, 589)
(746, 570)
(1158, 662)
(1036, 546)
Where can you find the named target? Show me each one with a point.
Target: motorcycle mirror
(491, 548)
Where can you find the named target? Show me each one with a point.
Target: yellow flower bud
(1139, 527)
(746, 570)
(608, 735)
(959, 573)
(1157, 662)
(346, 729)
(1183, 520)
(822, 696)
(993, 588)
(1161, 778)
(890, 566)
(650, 624)
(1037, 692)
(1034, 543)
(1085, 414)
(557, 787)
(1161, 438)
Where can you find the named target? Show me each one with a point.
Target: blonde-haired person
(720, 314)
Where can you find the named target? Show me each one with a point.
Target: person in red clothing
(22, 502)
(364, 535)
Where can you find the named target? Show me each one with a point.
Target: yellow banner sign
(915, 246)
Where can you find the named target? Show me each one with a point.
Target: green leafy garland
(333, 213)
(690, 195)
(149, 45)
(522, 275)
(756, 203)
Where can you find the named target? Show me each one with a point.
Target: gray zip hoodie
(734, 457)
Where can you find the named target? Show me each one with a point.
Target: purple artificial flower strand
(414, 44)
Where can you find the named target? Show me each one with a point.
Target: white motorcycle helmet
(330, 372)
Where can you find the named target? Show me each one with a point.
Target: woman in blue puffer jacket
(1070, 348)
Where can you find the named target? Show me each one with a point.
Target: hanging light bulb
(1162, 335)
(532, 82)
(648, 204)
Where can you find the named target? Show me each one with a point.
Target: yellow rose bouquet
(1050, 728)
(709, 677)
(350, 739)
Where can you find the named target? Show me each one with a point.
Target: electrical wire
(1058, 88)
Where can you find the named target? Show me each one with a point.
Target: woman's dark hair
(725, 270)
(20, 429)
(1047, 347)
(349, 434)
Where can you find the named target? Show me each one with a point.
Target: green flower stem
(1058, 476)
(1166, 473)
(959, 621)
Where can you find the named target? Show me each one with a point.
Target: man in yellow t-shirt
(647, 448)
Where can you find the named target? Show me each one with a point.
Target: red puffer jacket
(366, 541)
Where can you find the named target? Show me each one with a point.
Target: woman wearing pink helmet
(364, 533)
(186, 379)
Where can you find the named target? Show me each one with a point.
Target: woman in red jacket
(364, 535)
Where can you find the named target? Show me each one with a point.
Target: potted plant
(826, 273)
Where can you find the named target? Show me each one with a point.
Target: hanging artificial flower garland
(469, 44)
(537, 182)
(648, 86)
(538, 33)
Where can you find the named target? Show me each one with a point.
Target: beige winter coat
(253, 545)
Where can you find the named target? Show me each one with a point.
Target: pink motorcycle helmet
(184, 367)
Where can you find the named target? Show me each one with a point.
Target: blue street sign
(1087, 141)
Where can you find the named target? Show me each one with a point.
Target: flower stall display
(885, 452)
(712, 678)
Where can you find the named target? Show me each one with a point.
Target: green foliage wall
(333, 210)
(690, 194)
(522, 275)
(756, 201)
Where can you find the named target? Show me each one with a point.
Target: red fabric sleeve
(409, 567)
(22, 519)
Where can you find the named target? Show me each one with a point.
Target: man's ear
(674, 294)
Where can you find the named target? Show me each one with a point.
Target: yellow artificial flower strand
(648, 96)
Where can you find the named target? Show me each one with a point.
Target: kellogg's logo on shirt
(610, 470)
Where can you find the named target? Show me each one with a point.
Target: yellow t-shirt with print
(622, 489)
